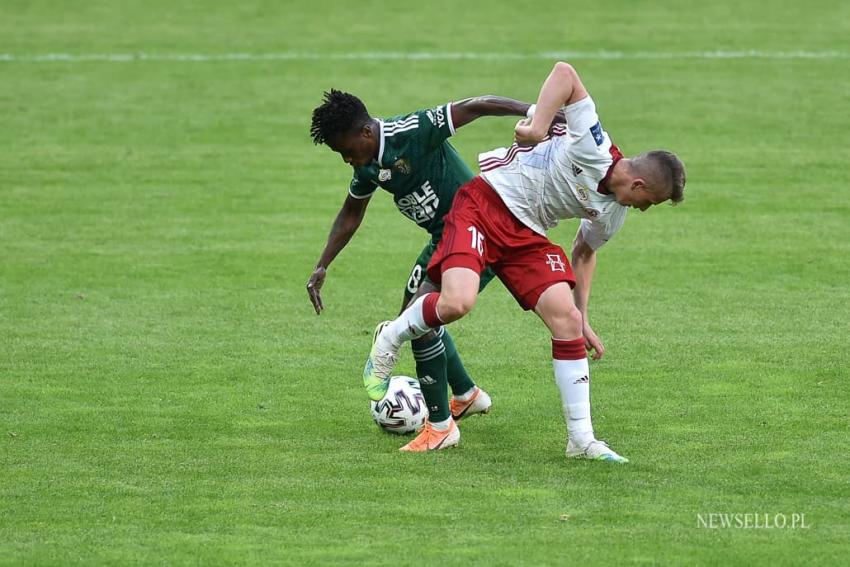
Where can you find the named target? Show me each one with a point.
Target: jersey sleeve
(590, 145)
(435, 125)
(581, 117)
(361, 187)
(598, 231)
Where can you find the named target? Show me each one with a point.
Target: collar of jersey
(381, 143)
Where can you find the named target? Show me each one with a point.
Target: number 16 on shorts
(477, 242)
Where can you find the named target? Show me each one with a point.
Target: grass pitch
(167, 394)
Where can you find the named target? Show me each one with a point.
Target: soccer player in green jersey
(410, 157)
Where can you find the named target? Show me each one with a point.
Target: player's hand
(525, 136)
(314, 288)
(593, 343)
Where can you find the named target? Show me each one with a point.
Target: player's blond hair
(664, 172)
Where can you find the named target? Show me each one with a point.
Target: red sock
(429, 310)
(568, 350)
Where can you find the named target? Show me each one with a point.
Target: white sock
(573, 379)
(442, 425)
(407, 326)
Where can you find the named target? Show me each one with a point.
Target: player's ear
(366, 131)
(638, 183)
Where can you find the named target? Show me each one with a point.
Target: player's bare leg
(458, 294)
(572, 373)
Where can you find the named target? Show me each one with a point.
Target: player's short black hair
(340, 113)
(665, 171)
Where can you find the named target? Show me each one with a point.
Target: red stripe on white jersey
(492, 163)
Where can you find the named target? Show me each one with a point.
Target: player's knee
(573, 315)
(453, 307)
(566, 322)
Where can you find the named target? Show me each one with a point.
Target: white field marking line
(417, 56)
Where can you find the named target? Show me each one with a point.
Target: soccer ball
(403, 408)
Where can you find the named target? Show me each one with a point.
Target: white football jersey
(559, 178)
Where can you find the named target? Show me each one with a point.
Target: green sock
(459, 380)
(430, 356)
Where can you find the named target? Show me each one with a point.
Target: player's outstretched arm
(584, 264)
(561, 88)
(346, 224)
(467, 110)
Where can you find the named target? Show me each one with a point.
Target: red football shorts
(481, 231)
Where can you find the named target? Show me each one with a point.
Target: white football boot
(595, 450)
(382, 359)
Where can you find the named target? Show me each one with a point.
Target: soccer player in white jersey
(500, 218)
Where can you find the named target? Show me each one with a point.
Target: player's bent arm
(561, 88)
(345, 225)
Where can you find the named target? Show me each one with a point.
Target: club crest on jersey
(596, 131)
(402, 166)
(385, 175)
(555, 262)
(592, 213)
(582, 191)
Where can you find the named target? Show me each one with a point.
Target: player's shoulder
(364, 174)
(591, 146)
(402, 123)
(435, 115)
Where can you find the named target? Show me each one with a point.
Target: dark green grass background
(168, 396)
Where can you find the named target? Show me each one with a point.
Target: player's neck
(620, 178)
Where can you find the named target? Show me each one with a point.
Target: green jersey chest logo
(421, 205)
(402, 166)
(384, 175)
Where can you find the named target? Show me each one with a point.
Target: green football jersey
(417, 165)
